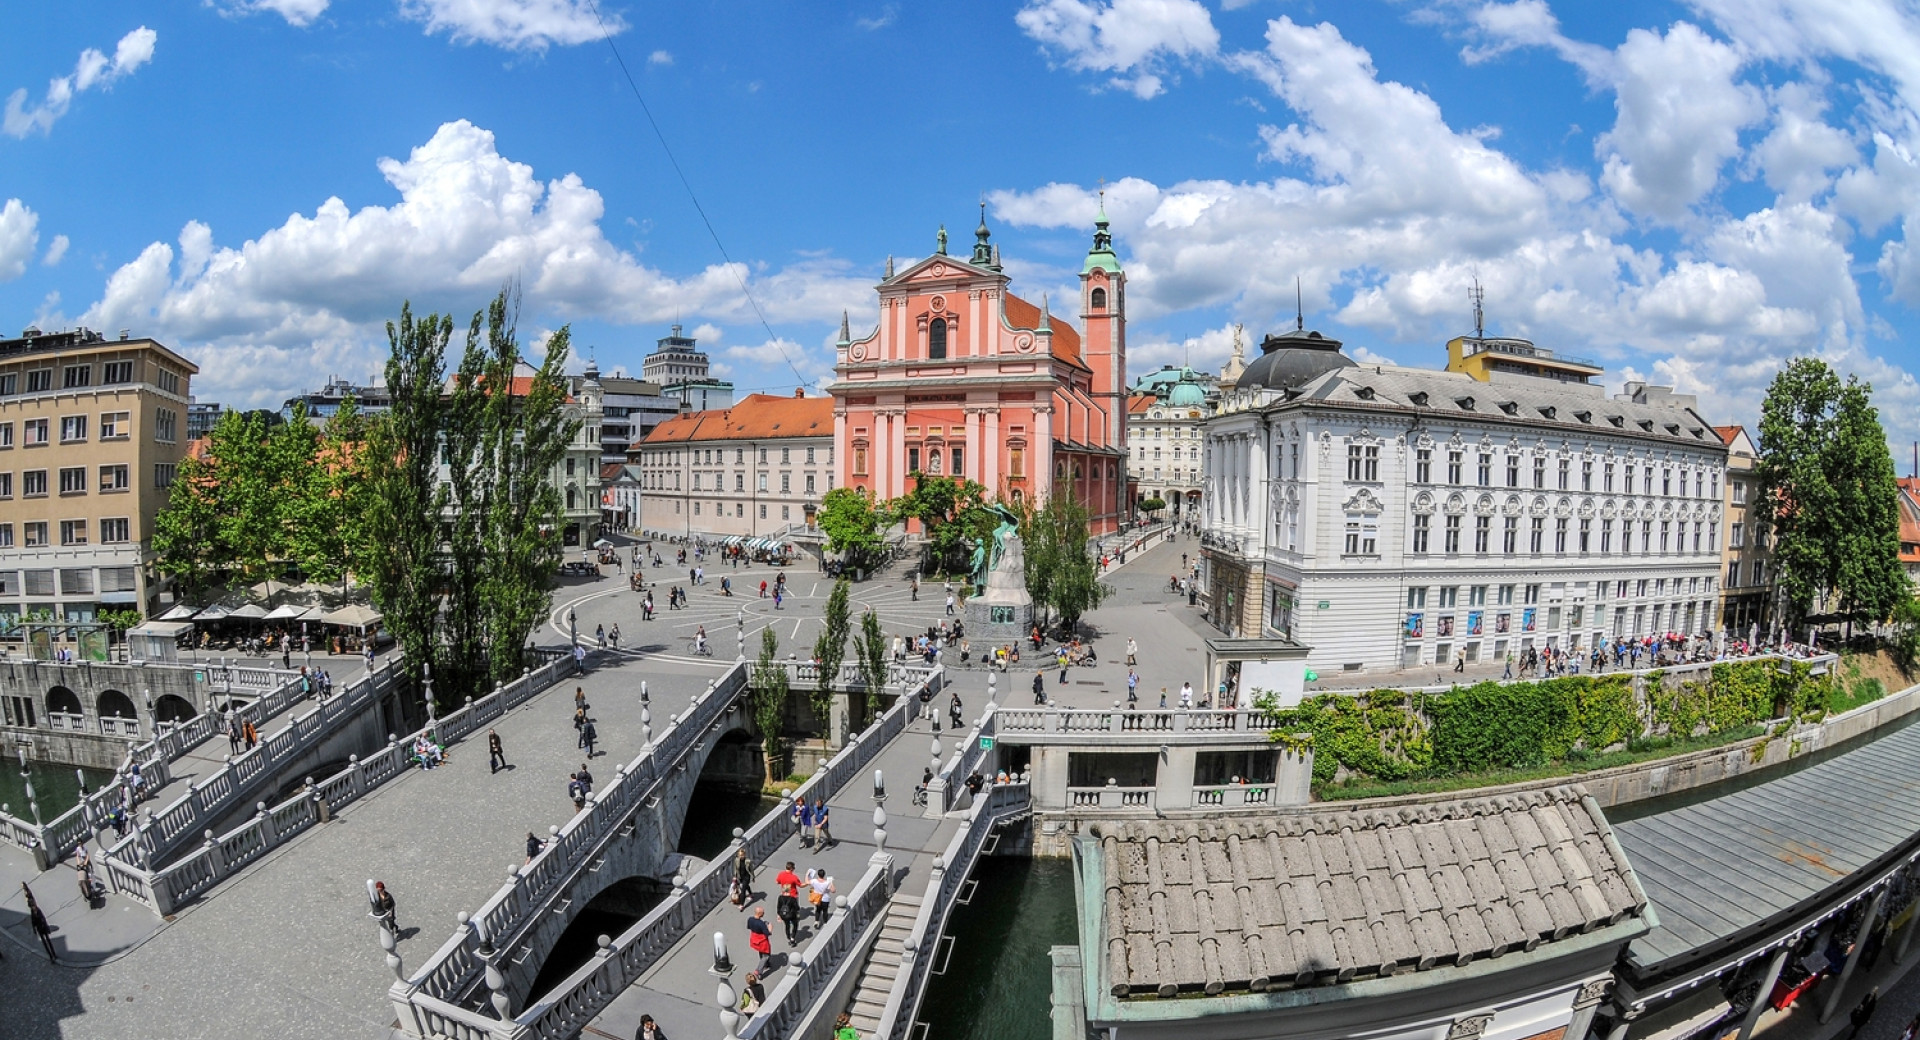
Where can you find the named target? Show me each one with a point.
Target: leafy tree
(951, 510)
(1062, 574)
(1153, 505)
(852, 524)
(1826, 491)
(186, 532)
(768, 692)
(870, 652)
(118, 621)
(831, 649)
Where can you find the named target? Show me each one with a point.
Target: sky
(1689, 193)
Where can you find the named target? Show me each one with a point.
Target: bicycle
(920, 794)
(702, 649)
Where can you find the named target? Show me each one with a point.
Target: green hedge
(1384, 735)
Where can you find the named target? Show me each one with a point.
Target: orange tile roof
(755, 417)
(1909, 519)
(1066, 341)
(1727, 433)
(1139, 403)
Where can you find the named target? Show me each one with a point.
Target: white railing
(219, 856)
(808, 973)
(433, 1000)
(1230, 795)
(1149, 721)
(56, 839)
(1112, 796)
(1002, 803)
(805, 675)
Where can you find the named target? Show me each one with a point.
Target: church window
(1017, 462)
(1099, 299)
(937, 338)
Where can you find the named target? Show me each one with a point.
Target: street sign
(986, 743)
(1324, 604)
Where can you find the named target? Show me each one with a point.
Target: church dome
(1187, 393)
(1292, 360)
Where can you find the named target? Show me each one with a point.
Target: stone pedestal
(1003, 613)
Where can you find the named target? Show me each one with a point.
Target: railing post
(216, 857)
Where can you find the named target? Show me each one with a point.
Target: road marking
(796, 628)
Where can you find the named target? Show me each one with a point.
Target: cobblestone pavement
(285, 949)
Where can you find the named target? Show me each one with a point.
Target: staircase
(883, 965)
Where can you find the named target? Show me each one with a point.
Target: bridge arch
(62, 700)
(171, 707)
(112, 703)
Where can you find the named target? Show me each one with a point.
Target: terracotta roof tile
(1066, 340)
(1727, 433)
(755, 417)
(1303, 899)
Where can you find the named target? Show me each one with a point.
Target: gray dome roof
(1292, 360)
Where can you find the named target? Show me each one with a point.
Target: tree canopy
(951, 510)
(1062, 574)
(852, 524)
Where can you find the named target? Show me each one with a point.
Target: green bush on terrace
(1388, 735)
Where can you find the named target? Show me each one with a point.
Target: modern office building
(754, 469)
(202, 417)
(322, 403)
(682, 372)
(92, 432)
(1392, 517)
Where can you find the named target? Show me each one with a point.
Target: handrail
(1003, 802)
(807, 973)
(448, 979)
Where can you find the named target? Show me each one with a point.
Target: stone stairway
(883, 965)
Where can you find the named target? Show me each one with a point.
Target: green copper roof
(1101, 257)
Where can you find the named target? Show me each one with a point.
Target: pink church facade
(963, 378)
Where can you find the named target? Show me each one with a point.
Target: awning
(216, 612)
(603, 544)
(161, 629)
(355, 616)
(290, 612)
(249, 612)
(179, 612)
(119, 597)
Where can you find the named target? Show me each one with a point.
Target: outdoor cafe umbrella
(354, 616)
(248, 612)
(180, 612)
(290, 612)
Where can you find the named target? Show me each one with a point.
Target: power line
(678, 172)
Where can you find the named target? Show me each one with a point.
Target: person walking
(1186, 695)
(843, 1028)
(1133, 649)
(823, 838)
(752, 994)
(38, 921)
(949, 604)
(384, 909)
(588, 734)
(496, 756)
(248, 736)
(1460, 660)
(1863, 1012)
(1039, 688)
(742, 877)
(614, 635)
(534, 845)
(576, 792)
(1133, 689)
(233, 735)
(600, 636)
(820, 893)
(788, 903)
(760, 936)
(763, 589)
(649, 1030)
(803, 814)
(579, 725)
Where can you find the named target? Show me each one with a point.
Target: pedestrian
(949, 604)
(384, 910)
(534, 845)
(369, 649)
(576, 792)
(1133, 689)
(1460, 660)
(1863, 1012)
(615, 636)
(803, 815)
(1913, 1029)
(233, 735)
(286, 654)
(843, 1028)
(1133, 648)
(822, 836)
(588, 735)
(1039, 688)
(742, 877)
(1508, 674)
(752, 994)
(763, 590)
(83, 873)
(649, 1030)
(1063, 672)
(579, 658)
(496, 756)
(600, 636)
(38, 921)
(248, 734)
(579, 726)
(1186, 695)
(579, 699)
(789, 902)
(820, 893)
(760, 936)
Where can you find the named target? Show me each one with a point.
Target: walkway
(285, 949)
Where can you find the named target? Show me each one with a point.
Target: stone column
(1752, 1017)
(1853, 958)
(896, 475)
(990, 448)
(1585, 1003)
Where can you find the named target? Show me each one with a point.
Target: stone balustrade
(805, 980)
(1111, 796)
(1146, 726)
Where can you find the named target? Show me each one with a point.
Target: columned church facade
(963, 378)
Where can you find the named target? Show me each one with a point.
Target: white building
(1388, 517)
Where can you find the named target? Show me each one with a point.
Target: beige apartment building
(92, 432)
(753, 469)
(1747, 607)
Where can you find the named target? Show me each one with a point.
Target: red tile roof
(1727, 433)
(1024, 315)
(756, 417)
(1909, 519)
(1139, 403)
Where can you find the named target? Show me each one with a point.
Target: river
(54, 787)
(997, 982)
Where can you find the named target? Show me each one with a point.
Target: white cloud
(1135, 40)
(299, 13)
(56, 250)
(531, 25)
(19, 235)
(1801, 149)
(1680, 113)
(94, 69)
(889, 13)
(659, 58)
(467, 221)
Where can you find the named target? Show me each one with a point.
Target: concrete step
(865, 1025)
(896, 928)
(862, 1005)
(881, 972)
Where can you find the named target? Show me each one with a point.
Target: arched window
(937, 338)
(1098, 298)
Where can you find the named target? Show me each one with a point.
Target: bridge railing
(219, 856)
(57, 838)
(1000, 803)
(1013, 721)
(805, 675)
(433, 1001)
(809, 972)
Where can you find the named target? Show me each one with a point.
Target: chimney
(125, 333)
(799, 391)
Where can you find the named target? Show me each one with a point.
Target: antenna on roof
(1299, 308)
(1478, 296)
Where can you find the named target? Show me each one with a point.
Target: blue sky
(1690, 192)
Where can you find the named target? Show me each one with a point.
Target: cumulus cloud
(19, 235)
(298, 13)
(56, 250)
(94, 69)
(1135, 41)
(660, 58)
(467, 221)
(1680, 113)
(526, 25)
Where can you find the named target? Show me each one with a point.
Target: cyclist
(700, 640)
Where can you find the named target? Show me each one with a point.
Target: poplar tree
(829, 650)
(870, 653)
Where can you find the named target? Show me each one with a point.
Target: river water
(998, 979)
(54, 786)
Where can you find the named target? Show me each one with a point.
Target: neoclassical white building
(1390, 517)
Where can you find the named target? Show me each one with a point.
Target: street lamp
(722, 964)
(427, 683)
(27, 778)
(879, 812)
